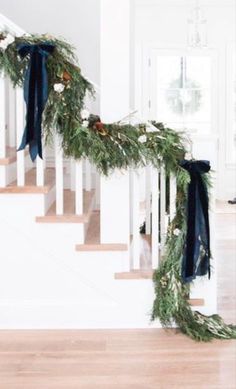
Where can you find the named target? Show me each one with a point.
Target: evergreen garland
(64, 105)
(111, 146)
(171, 304)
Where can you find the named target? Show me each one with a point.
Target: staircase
(71, 252)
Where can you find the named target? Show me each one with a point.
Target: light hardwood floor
(128, 359)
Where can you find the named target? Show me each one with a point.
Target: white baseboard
(71, 315)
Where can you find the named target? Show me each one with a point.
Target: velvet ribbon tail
(35, 94)
(196, 258)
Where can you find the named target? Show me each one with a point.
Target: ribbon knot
(35, 94)
(196, 259)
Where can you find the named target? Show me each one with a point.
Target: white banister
(163, 208)
(7, 24)
(19, 133)
(2, 118)
(148, 199)
(78, 187)
(59, 176)
(40, 165)
(155, 218)
(135, 221)
(173, 192)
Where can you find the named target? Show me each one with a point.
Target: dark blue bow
(35, 94)
(196, 259)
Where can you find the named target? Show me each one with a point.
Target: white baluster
(11, 115)
(88, 175)
(72, 174)
(173, 192)
(163, 208)
(78, 187)
(135, 222)
(20, 120)
(155, 218)
(148, 199)
(97, 190)
(40, 165)
(59, 176)
(7, 103)
(2, 118)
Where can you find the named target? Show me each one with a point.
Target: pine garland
(63, 108)
(118, 149)
(116, 146)
(171, 304)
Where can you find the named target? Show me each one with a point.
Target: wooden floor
(128, 359)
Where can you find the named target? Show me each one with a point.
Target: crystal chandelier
(197, 28)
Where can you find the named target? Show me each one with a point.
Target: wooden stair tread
(10, 157)
(30, 183)
(65, 218)
(92, 240)
(135, 275)
(102, 247)
(69, 215)
(196, 302)
(146, 274)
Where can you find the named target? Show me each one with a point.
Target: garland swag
(111, 146)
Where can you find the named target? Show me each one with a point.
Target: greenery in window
(183, 99)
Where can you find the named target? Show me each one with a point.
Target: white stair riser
(8, 173)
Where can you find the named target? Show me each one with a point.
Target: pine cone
(66, 76)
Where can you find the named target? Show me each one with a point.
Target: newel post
(114, 104)
(114, 208)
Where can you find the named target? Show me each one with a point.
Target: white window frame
(144, 78)
(230, 134)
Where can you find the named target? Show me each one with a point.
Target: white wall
(114, 59)
(163, 23)
(78, 21)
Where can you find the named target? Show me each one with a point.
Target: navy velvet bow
(196, 259)
(35, 94)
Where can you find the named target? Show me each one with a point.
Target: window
(231, 104)
(183, 91)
